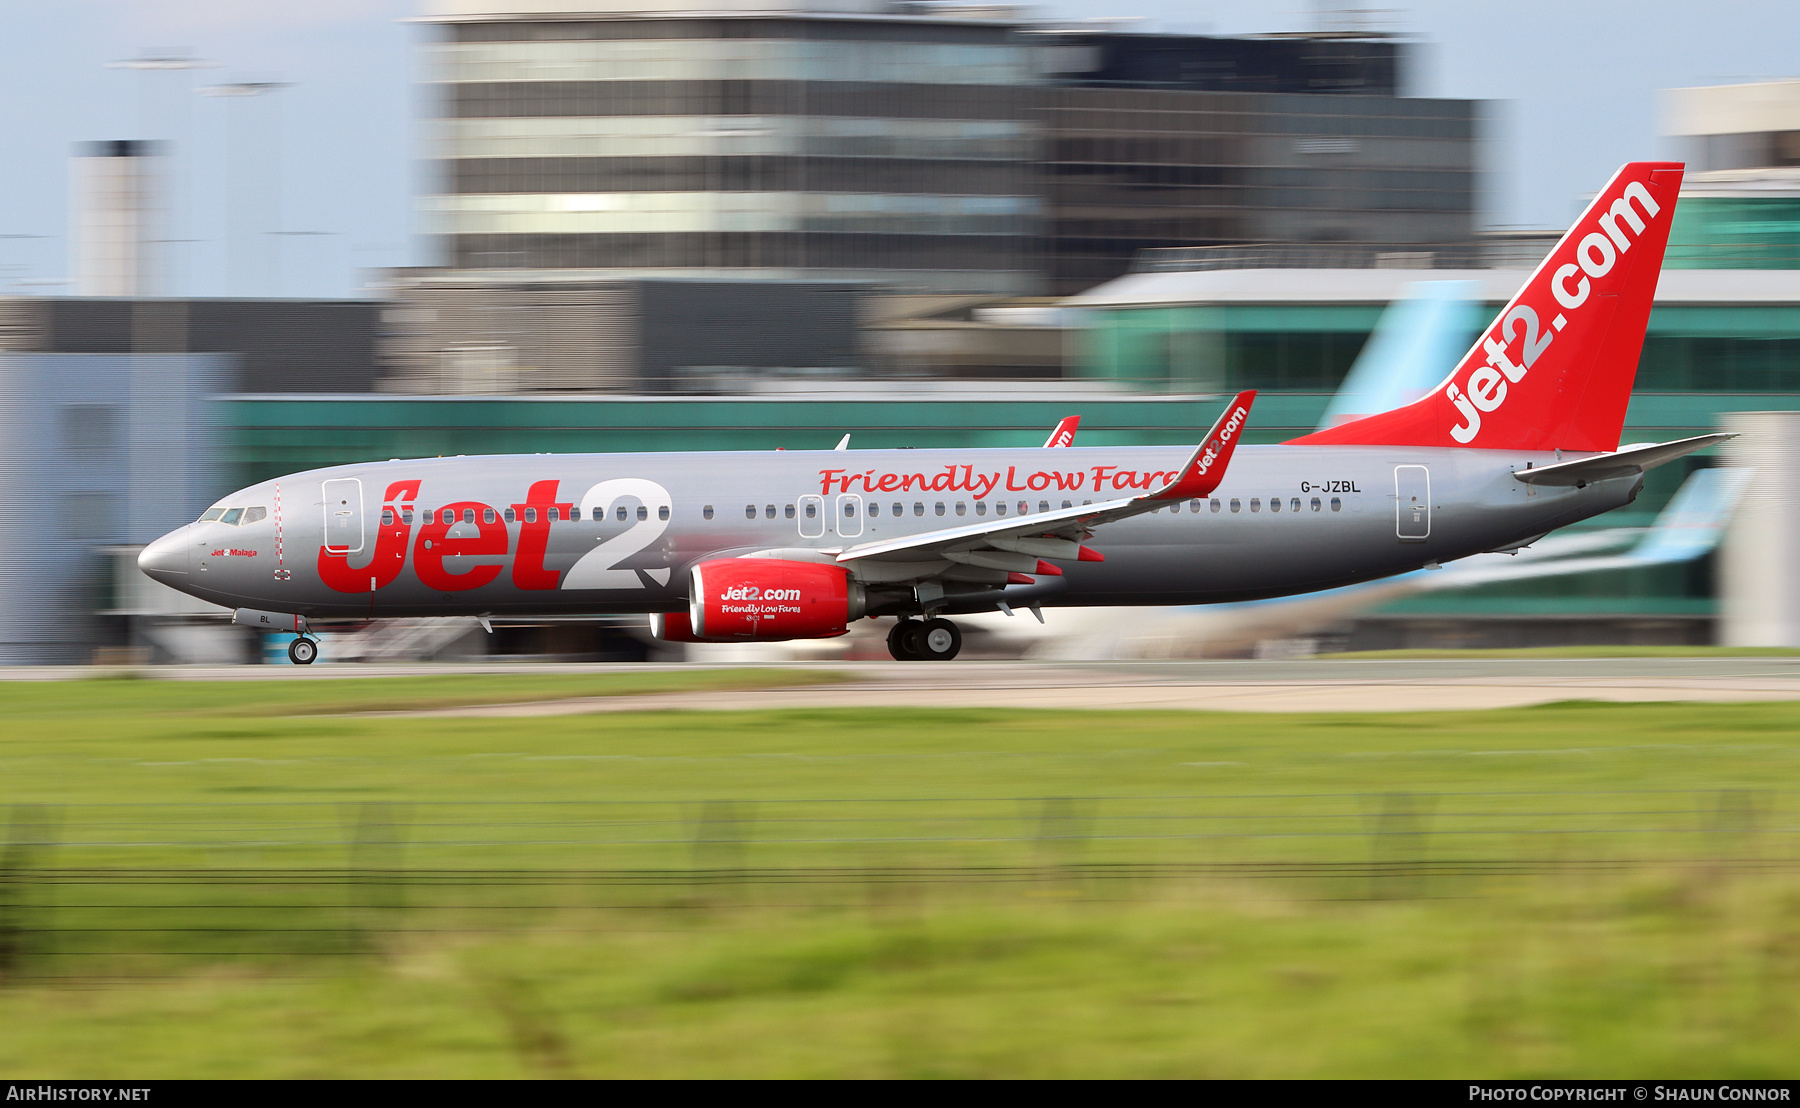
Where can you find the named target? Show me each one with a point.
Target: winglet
(1064, 435)
(1206, 468)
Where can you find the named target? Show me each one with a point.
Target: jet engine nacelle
(769, 600)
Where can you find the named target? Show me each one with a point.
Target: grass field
(1578, 652)
(237, 879)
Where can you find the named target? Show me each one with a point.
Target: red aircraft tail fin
(1554, 371)
(1064, 433)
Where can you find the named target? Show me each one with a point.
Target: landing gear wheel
(939, 640)
(903, 641)
(301, 652)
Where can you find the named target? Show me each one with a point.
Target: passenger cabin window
(1215, 504)
(962, 509)
(706, 512)
(662, 511)
(487, 515)
(899, 510)
(999, 508)
(406, 516)
(1194, 506)
(621, 513)
(387, 517)
(643, 512)
(769, 512)
(554, 515)
(749, 511)
(1236, 504)
(919, 508)
(1274, 504)
(211, 514)
(1294, 504)
(231, 516)
(874, 508)
(788, 511)
(468, 515)
(251, 515)
(531, 515)
(849, 508)
(1256, 503)
(1315, 504)
(812, 510)
(510, 517)
(1043, 505)
(981, 507)
(940, 508)
(1337, 505)
(1068, 503)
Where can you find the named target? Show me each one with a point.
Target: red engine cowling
(768, 600)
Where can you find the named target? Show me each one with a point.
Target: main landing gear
(302, 651)
(933, 640)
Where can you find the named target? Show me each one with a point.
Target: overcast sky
(1577, 79)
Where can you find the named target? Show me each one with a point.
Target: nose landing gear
(302, 651)
(933, 640)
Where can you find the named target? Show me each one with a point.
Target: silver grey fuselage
(635, 560)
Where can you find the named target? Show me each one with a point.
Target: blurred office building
(923, 148)
(97, 451)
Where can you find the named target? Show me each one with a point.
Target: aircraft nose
(165, 559)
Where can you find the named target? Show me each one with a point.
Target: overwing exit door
(1412, 503)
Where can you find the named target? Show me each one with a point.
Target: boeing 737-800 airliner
(1522, 437)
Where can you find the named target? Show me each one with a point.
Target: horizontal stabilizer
(1624, 463)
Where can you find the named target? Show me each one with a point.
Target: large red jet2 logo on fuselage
(446, 562)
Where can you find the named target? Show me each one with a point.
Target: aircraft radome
(1522, 437)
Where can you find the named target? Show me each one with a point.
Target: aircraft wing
(1015, 545)
(1621, 463)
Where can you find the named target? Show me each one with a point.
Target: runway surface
(1258, 686)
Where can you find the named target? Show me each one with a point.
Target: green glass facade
(1735, 232)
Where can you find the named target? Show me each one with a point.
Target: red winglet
(1064, 435)
(1019, 579)
(1047, 569)
(1089, 554)
(1206, 468)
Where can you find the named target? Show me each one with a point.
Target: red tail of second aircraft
(1554, 371)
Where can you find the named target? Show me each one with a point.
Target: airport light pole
(164, 119)
(245, 244)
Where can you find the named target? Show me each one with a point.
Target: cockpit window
(231, 516)
(251, 515)
(212, 514)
